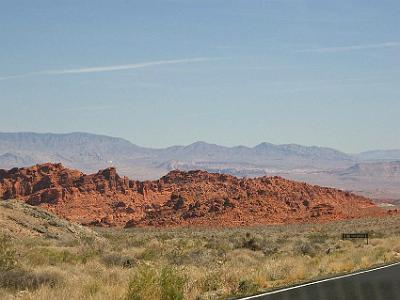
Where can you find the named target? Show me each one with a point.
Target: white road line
(319, 281)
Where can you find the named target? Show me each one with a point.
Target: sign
(355, 236)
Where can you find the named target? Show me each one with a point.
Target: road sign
(346, 236)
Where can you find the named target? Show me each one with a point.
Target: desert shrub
(118, 260)
(196, 257)
(247, 287)
(86, 253)
(212, 282)
(172, 284)
(49, 256)
(305, 248)
(318, 237)
(144, 285)
(222, 245)
(20, 279)
(270, 249)
(148, 254)
(148, 284)
(176, 256)
(252, 243)
(8, 258)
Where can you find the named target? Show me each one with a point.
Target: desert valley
(199, 150)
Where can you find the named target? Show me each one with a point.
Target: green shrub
(171, 284)
(144, 285)
(20, 279)
(147, 284)
(247, 287)
(50, 256)
(8, 258)
(212, 282)
(148, 254)
(87, 253)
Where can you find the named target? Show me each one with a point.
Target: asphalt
(377, 284)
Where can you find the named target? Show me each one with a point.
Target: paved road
(377, 284)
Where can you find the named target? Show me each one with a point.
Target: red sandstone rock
(179, 198)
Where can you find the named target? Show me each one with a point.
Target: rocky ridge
(179, 198)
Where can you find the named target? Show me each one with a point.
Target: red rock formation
(179, 198)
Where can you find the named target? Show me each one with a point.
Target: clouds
(111, 68)
(351, 48)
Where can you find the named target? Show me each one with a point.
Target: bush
(212, 282)
(147, 284)
(148, 254)
(51, 256)
(247, 287)
(116, 260)
(20, 279)
(305, 248)
(8, 258)
(252, 243)
(171, 285)
(144, 285)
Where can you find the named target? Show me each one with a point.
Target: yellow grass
(192, 263)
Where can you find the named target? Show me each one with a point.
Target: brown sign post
(346, 236)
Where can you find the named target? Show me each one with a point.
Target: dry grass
(189, 263)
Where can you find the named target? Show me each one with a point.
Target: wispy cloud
(111, 68)
(88, 108)
(351, 48)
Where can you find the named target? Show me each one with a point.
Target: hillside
(178, 199)
(21, 220)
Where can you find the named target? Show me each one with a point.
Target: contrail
(111, 68)
(351, 48)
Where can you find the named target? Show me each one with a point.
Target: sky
(230, 72)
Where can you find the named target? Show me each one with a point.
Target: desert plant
(8, 258)
(20, 279)
(150, 284)
(118, 260)
(247, 287)
(171, 284)
(144, 285)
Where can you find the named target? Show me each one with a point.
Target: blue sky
(230, 72)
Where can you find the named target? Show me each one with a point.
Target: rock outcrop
(179, 198)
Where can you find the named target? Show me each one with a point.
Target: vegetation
(189, 263)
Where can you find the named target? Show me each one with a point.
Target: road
(381, 283)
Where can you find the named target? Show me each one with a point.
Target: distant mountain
(386, 155)
(11, 160)
(91, 152)
(382, 169)
(79, 150)
(378, 180)
(371, 173)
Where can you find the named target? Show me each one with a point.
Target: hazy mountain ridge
(366, 171)
(89, 152)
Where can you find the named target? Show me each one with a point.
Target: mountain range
(371, 173)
